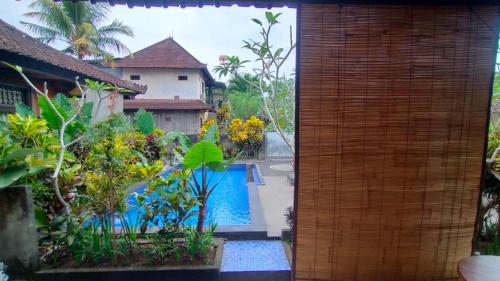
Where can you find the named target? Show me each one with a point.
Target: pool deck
(276, 194)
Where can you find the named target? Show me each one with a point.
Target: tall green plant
(208, 158)
(167, 202)
(276, 89)
(143, 120)
(109, 171)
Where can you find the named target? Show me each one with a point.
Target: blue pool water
(227, 205)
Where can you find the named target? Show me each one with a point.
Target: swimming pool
(228, 204)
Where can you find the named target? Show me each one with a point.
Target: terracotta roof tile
(166, 54)
(17, 42)
(166, 104)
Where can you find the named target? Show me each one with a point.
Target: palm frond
(52, 15)
(115, 28)
(46, 34)
(102, 55)
(114, 44)
(99, 12)
(79, 24)
(78, 12)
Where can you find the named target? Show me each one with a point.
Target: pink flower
(222, 58)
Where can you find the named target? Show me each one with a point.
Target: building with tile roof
(42, 63)
(179, 85)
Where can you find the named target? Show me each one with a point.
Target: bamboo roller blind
(393, 109)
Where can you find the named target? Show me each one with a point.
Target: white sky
(205, 32)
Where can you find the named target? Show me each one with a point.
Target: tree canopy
(80, 25)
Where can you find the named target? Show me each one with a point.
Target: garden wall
(18, 236)
(392, 115)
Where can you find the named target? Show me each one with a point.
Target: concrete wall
(109, 105)
(186, 121)
(164, 83)
(18, 236)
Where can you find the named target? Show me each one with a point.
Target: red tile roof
(16, 42)
(165, 54)
(166, 104)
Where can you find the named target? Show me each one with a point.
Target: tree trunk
(202, 209)
(112, 213)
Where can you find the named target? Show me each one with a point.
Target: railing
(10, 95)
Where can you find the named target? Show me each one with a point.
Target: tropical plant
(175, 144)
(206, 157)
(143, 120)
(198, 244)
(205, 128)
(68, 117)
(109, 165)
(167, 202)
(86, 239)
(254, 127)
(80, 25)
(26, 148)
(248, 135)
(237, 132)
(244, 98)
(290, 219)
(162, 245)
(224, 114)
(277, 90)
(488, 231)
(245, 104)
(154, 150)
(493, 247)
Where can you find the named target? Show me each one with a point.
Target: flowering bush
(237, 132)
(254, 127)
(247, 135)
(224, 113)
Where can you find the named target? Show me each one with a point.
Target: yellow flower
(205, 127)
(237, 131)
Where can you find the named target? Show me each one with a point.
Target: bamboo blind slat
(392, 116)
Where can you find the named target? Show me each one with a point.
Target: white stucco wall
(164, 83)
(109, 105)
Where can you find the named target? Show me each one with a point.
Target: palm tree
(80, 25)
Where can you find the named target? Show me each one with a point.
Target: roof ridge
(184, 49)
(140, 50)
(166, 53)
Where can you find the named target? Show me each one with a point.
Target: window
(135, 77)
(10, 95)
(182, 77)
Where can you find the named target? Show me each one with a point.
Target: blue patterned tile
(254, 256)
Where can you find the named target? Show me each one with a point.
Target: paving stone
(254, 255)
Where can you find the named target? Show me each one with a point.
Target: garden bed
(134, 268)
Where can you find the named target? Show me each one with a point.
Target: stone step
(255, 260)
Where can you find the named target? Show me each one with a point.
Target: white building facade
(179, 86)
